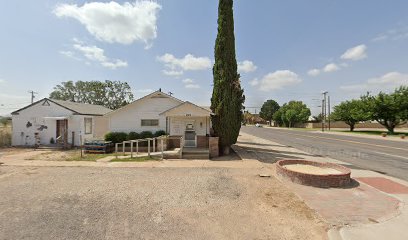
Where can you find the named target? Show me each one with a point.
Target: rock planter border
(324, 181)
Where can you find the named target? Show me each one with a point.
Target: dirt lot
(150, 203)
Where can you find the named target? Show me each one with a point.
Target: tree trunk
(226, 150)
(352, 125)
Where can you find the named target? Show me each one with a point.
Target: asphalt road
(384, 156)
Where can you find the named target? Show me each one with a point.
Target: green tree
(351, 112)
(268, 109)
(111, 94)
(390, 110)
(228, 97)
(292, 113)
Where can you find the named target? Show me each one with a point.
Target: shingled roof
(77, 108)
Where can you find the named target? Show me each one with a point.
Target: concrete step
(196, 156)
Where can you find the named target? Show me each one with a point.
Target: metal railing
(150, 148)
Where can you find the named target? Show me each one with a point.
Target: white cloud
(187, 81)
(388, 81)
(246, 66)
(313, 72)
(95, 54)
(276, 80)
(177, 66)
(355, 53)
(172, 73)
(190, 83)
(399, 33)
(331, 67)
(116, 23)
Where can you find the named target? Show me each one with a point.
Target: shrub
(146, 134)
(133, 136)
(116, 137)
(52, 141)
(159, 133)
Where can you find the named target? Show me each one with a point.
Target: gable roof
(187, 103)
(153, 94)
(76, 108)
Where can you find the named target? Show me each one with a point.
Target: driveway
(150, 203)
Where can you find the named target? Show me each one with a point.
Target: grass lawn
(86, 157)
(371, 132)
(136, 159)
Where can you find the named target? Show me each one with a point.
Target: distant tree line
(390, 110)
(287, 115)
(111, 94)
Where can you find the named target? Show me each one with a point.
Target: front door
(62, 128)
(190, 137)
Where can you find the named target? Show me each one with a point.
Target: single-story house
(47, 121)
(161, 111)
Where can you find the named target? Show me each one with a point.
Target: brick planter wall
(325, 181)
(202, 142)
(213, 147)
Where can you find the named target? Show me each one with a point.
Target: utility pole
(328, 103)
(323, 115)
(324, 109)
(32, 95)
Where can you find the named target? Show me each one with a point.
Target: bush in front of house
(159, 133)
(133, 136)
(116, 137)
(146, 134)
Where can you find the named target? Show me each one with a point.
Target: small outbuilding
(49, 121)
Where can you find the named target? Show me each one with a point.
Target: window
(150, 122)
(88, 125)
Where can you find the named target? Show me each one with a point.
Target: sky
(286, 49)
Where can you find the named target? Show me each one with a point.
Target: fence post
(154, 144)
(161, 139)
(131, 149)
(123, 148)
(148, 147)
(116, 149)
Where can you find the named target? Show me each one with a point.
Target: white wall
(178, 125)
(24, 136)
(129, 118)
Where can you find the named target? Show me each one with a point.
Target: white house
(160, 111)
(49, 120)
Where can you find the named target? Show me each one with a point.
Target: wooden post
(161, 139)
(116, 149)
(131, 149)
(148, 147)
(154, 144)
(123, 148)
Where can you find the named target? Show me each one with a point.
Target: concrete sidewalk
(374, 208)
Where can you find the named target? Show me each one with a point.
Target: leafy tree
(111, 94)
(390, 110)
(227, 97)
(292, 113)
(318, 118)
(351, 112)
(268, 109)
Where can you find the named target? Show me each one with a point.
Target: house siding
(129, 118)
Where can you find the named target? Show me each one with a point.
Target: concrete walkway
(374, 208)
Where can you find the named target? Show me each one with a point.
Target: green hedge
(118, 137)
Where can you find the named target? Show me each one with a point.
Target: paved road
(388, 157)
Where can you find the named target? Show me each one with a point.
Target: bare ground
(150, 203)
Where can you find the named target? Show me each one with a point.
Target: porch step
(196, 153)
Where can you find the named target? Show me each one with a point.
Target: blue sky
(288, 50)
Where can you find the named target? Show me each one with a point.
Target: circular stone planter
(315, 174)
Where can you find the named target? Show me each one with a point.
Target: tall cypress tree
(228, 97)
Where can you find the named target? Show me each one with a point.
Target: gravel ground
(150, 203)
